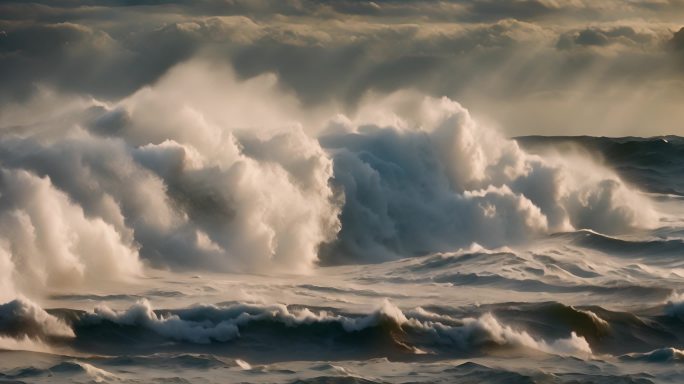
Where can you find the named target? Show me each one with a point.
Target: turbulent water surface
(382, 250)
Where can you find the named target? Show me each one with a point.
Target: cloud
(624, 35)
(519, 9)
(487, 54)
(677, 40)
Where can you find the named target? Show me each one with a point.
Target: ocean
(542, 260)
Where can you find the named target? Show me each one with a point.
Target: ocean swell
(223, 325)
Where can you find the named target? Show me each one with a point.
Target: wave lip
(23, 318)
(487, 331)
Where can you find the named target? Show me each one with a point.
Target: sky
(546, 67)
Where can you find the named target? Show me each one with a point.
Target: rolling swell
(654, 248)
(208, 337)
(243, 330)
(251, 329)
(563, 268)
(386, 332)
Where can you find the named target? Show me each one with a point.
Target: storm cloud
(500, 58)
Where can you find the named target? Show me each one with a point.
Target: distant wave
(662, 355)
(622, 247)
(557, 267)
(654, 164)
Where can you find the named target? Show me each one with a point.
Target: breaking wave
(445, 182)
(23, 318)
(221, 325)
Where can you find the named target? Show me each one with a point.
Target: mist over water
(216, 228)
